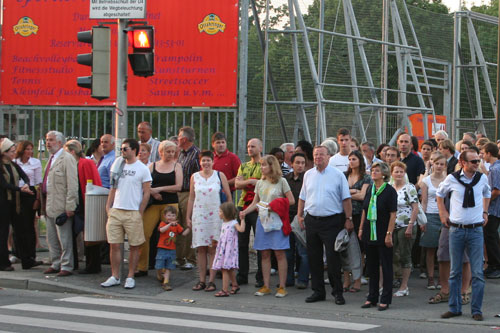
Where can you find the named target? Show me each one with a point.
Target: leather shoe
(141, 273)
(241, 280)
(477, 317)
(315, 298)
(64, 273)
(449, 314)
(88, 271)
(51, 270)
(339, 299)
(7, 269)
(368, 305)
(32, 264)
(383, 308)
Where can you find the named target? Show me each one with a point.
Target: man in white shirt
(341, 159)
(326, 202)
(469, 202)
(127, 200)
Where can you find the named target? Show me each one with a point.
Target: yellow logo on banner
(25, 27)
(211, 25)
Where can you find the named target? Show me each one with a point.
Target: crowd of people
(404, 207)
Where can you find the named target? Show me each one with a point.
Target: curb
(43, 285)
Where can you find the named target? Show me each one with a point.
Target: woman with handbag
(430, 237)
(376, 229)
(203, 216)
(30, 204)
(269, 235)
(167, 181)
(87, 170)
(405, 231)
(11, 196)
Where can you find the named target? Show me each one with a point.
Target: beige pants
(183, 244)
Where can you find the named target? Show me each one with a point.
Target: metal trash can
(95, 213)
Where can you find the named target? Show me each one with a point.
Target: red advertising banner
(196, 54)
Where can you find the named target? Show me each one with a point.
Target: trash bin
(95, 213)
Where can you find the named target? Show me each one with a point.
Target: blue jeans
(472, 241)
(296, 248)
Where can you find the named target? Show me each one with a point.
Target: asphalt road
(34, 311)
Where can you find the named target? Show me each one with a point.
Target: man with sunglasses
(469, 202)
(127, 200)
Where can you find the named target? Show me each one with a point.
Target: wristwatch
(349, 218)
(389, 232)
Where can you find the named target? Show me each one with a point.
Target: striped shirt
(190, 162)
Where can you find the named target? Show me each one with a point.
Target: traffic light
(142, 60)
(98, 60)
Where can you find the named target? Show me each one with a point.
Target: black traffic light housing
(99, 60)
(142, 59)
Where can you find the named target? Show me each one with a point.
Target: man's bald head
(254, 147)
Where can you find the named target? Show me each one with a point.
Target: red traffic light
(142, 39)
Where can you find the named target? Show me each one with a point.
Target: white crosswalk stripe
(164, 314)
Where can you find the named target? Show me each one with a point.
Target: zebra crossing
(89, 314)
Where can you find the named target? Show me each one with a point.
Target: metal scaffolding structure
(469, 60)
(412, 79)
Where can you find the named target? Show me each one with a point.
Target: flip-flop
(222, 293)
(354, 290)
(234, 290)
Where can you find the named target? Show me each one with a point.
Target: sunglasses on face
(474, 161)
(124, 148)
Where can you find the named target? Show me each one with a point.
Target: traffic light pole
(121, 116)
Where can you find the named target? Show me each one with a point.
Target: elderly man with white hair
(440, 136)
(60, 197)
(289, 149)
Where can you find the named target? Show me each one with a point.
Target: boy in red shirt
(165, 256)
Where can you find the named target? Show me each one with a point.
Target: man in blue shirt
(104, 165)
(491, 239)
(326, 201)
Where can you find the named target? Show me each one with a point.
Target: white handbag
(270, 220)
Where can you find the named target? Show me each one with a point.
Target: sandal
(234, 290)
(222, 293)
(345, 289)
(354, 290)
(210, 287)
(199, 286)
(439, 298)
(465, 298)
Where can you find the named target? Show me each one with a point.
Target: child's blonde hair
(169, 209)
(228, 211)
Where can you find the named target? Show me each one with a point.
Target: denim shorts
(165, 259)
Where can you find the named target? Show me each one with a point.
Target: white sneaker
(273, 271)
(129, 283)
(187, 266)
(364, 281)
(423, 275)
(110, 282)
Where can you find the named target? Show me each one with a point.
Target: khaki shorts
(121, 222)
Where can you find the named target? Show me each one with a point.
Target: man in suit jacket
(60, 193)
(447, 148)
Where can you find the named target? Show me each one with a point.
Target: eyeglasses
(474, 161)
(124, 148)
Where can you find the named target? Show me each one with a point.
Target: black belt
(322, 217)
(466, 226)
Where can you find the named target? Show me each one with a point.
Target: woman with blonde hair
(271, 191)
(167, 181)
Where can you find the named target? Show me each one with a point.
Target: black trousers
(243, 248)
(492, 241)
(93, 258)
(376, 256)
(323, 232)
(23, 235)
